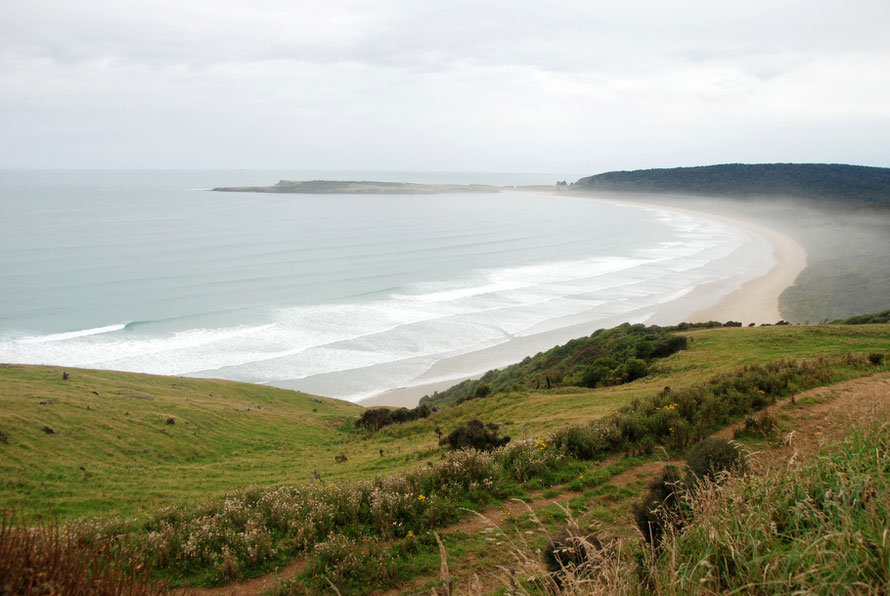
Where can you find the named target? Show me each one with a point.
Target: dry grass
(45, 559)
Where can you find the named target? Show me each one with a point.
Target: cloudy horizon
(580, 87)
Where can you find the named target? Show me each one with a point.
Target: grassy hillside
(129, 443)
(607, 357)
(113, 450)
(115, 453)
(862, 185)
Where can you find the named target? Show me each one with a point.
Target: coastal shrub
(482, 390)
(531, 459)
(677, 418)
(596, 373)
(350, 564)
(666, 346)
(374, 419)
(713, 455)
(599, 359)
(876, 358)
(590, 442)
(634, 369)
(475, 434)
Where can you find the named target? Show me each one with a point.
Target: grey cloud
(486, 82)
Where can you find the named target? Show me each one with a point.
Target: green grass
(818, 528)
(115, 455)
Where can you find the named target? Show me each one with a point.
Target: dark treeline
(863, 185)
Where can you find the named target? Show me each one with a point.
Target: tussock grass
(820, 527)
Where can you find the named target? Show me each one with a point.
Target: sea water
(345, 295)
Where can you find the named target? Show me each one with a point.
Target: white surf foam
(42, 339)
(412, 327)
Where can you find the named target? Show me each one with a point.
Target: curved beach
(747, 297)
(409, 291)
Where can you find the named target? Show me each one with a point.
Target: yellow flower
(410, 534)
(421, 498)
(581, 476)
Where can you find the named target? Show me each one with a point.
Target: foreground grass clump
(665, 508)
(817, 528)
(45, 559)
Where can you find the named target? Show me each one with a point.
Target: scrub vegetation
(208, 482)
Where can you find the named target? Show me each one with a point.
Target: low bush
(590, 442)
(712, 456)
(531, 459)
(475, 434)
(482, 390)
(374, 419)
(351, 565)
(679, 418)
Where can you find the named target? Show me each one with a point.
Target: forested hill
(823, 182)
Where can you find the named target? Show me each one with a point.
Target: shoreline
(755, 300)
(738, 298)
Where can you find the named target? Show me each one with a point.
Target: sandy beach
(740, 298)
(756, 300)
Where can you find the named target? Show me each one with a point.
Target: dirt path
(811, 426)
(825, 416)
(820, 416)
(249, 587)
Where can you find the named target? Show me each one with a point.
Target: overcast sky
(566, 86)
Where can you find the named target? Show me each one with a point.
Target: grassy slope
(116, 454)
(219, 448)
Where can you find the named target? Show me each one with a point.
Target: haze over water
(349, 294)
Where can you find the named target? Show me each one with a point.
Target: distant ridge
(864, 185)
(356, 187)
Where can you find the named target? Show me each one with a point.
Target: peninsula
(360, 187)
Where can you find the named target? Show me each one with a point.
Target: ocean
(341, 295)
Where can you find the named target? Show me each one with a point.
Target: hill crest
(863, 185)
